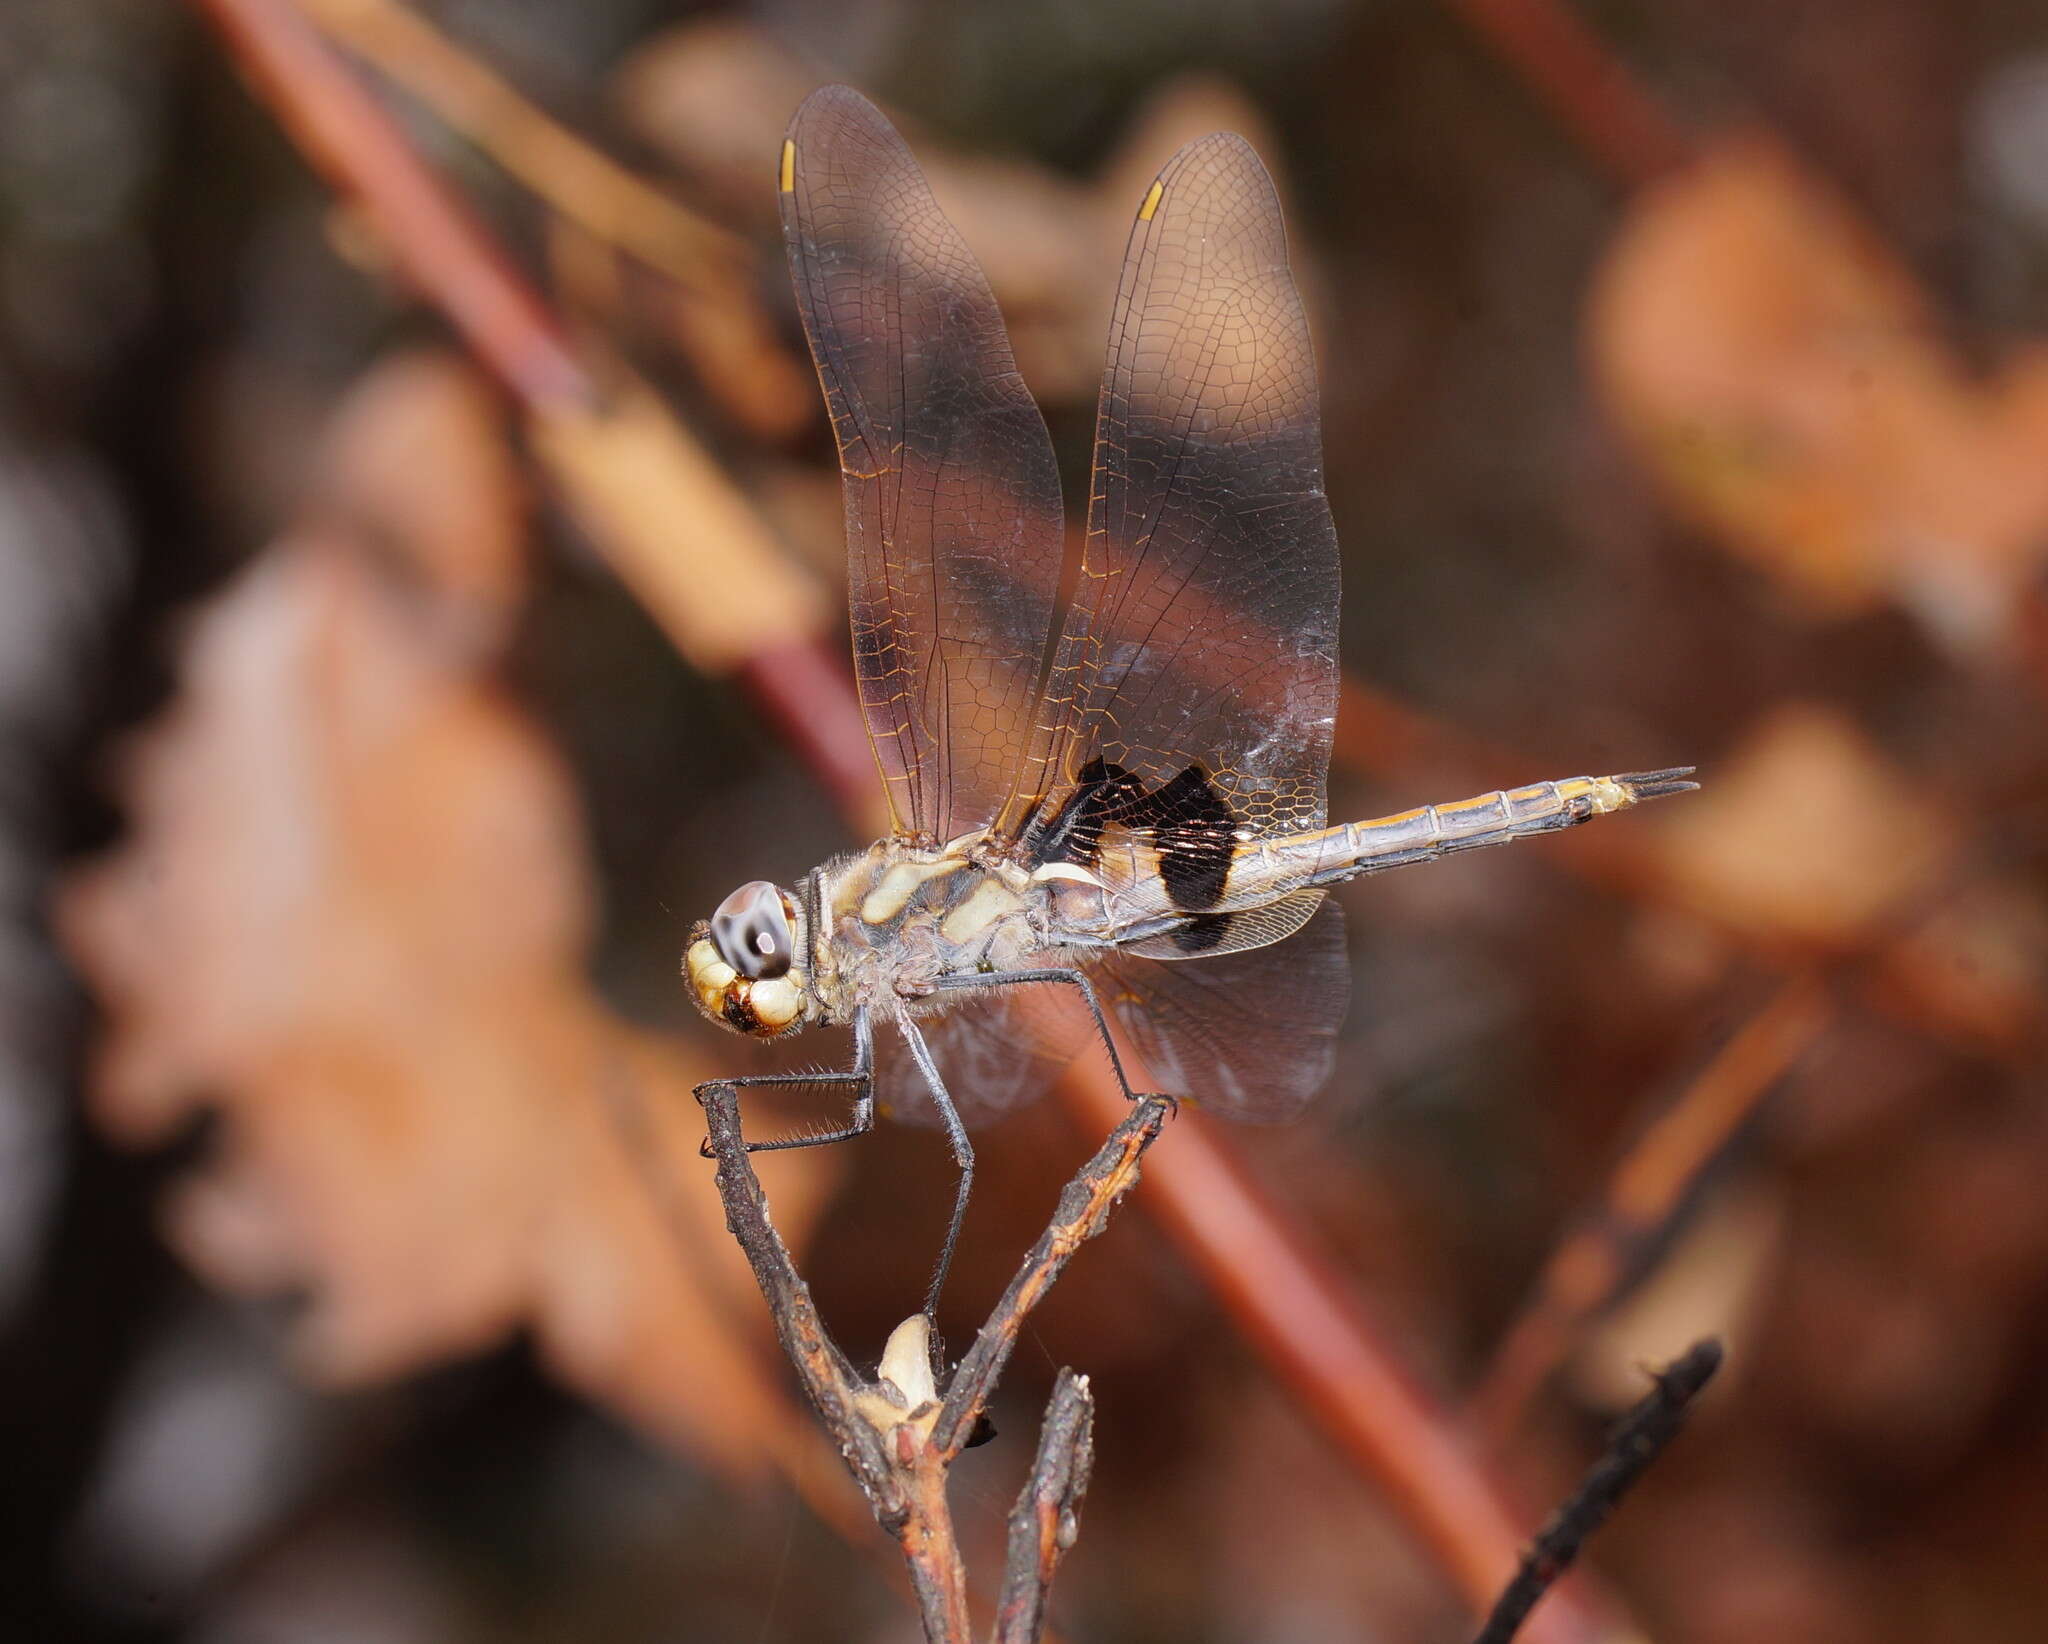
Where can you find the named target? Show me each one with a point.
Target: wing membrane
(997, 1051)
(952, 497)
(1195, 682)
(1251, 1034)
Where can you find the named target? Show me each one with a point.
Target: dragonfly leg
(1076, 978)
(860, 1077)
(963, 1156)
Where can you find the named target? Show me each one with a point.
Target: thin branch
(897, 1436)
(1569, 69)
(1645, 1190)
(710, 306)
(574, 177)
(827, 1374)
(1084, 1210)
(1636, 1442)
(1045, 1520)
(435, 238)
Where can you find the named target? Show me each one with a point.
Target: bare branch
(1084, 1210)
(828, 1376)
(1584, 85)
(574, 177)
(433, 234)
(1045, 1521)
(1636, 1442)
(898, 1438)
(1302, 1316)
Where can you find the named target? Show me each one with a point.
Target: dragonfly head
(742, 963)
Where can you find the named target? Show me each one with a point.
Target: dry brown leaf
(353, 916)
(675, 529)
(1979, 962)
(714, 96)
(1783, 376)
(1809, 840)
(1807, 835)
(1711, 1283)
(415, 458)
(710, 300)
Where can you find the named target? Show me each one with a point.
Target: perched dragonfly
(1125, 813)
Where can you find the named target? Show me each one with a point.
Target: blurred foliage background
(369, 735)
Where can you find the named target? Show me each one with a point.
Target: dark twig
(1044, 1522)
(897, 1436)
(1084, 1208)
(1636, 1442)
(433, 235)
(1281, 1291)
(827, 1374)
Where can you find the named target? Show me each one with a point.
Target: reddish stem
(427, 229)
(804, 691)
(1568, 68)
(1648, 1186)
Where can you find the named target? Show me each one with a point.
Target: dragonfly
(1112, 811)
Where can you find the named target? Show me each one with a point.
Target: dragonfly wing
(1194, 686)
(998, 1050)
(1250, 1034)
(1211, 935)
(952, 498)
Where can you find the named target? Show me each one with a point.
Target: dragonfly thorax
(897, 920)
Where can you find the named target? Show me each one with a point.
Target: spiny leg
(1077, 978)
(963, 1156)
(861, 1076)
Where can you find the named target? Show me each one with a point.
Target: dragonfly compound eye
(741, 963)
(751, 931)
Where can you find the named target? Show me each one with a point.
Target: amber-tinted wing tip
(1643, 785)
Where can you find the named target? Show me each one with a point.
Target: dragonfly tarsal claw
(704, 1092)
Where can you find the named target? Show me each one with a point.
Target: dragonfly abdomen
(1328, 855)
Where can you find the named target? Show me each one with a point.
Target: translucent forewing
(1195, 680)
(952, 497)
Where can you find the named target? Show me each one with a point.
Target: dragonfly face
(743, 962)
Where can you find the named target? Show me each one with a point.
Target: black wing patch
(1186, 822)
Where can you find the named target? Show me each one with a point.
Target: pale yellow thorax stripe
(891, 894)
(987, 902)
